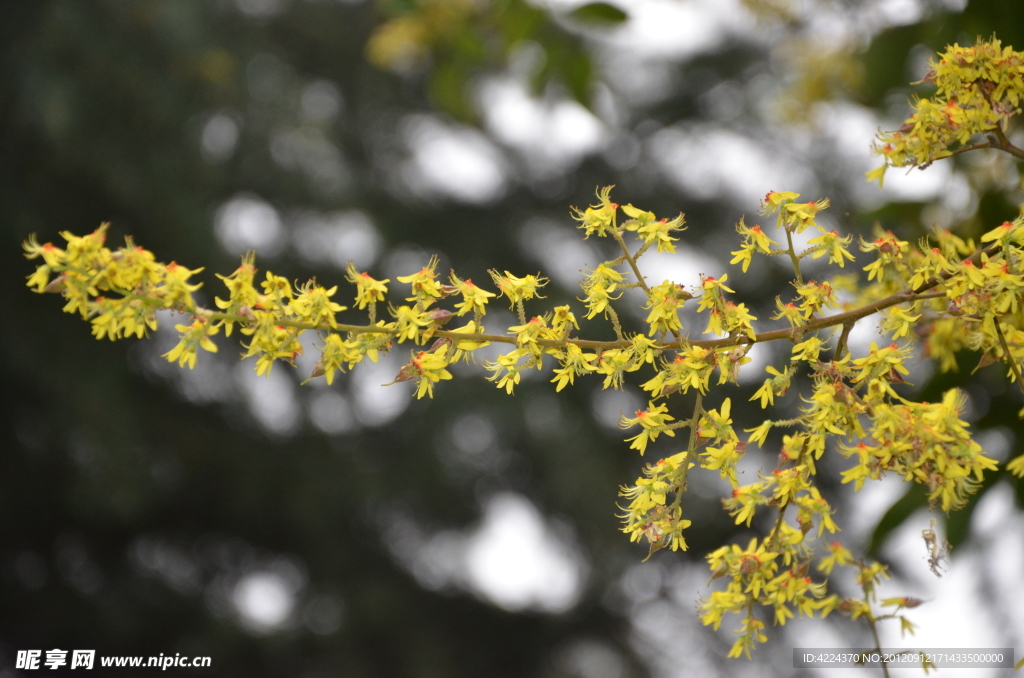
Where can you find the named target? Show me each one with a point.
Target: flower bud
(56, 285)
(439, 316)
(407, 372)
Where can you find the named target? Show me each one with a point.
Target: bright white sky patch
(516, 561)
(515, 558)
(331, 412)
(951, 617)
(376, 404)
(863, 334)
(904, 184)
(219, 137)
(271, 399)
(678, 30)
(562, 252)
(661, 624)
(264, 600)
(453, 161)
(609, 405)
(708, 163)
(683, 267)
(551, 135)
(954, 613)
(761, 355)
(899, 12)
(853, 128)
(248, 222)
(337, 238)
(998, 443)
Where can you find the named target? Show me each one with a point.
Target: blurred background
(352, 530)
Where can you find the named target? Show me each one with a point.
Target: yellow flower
(574, 363)
(597, 218)
(517, 289)
(464, 348)
(834, 245)
(776, 385)
(1016, 466)
(368, 290)
(314, 305)
(409, 320)
(652, 421)
(474, 299)
(192, 336)
(425, 288)
(430, 368)
(773, 199)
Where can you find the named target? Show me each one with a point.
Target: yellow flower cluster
(978, 90)
(650, 514)
(756, 576)
(924, 442)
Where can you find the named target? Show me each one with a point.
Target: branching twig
(1003, 144)
(878, 643)
(841, 344)
(794, 257)
(1009, 356)
(631, 258)
(909, 294)
(691, 448)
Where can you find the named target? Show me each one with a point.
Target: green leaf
(599, 13)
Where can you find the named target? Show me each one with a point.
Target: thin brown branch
(698, 410)
(841, 344)
(1007, 355)
(691, 448)
(972, 147)
(692, 423)
(909, 294)
(794, 258)
(878, 643)
(1003, 144)
(632, 261)
(631, 258)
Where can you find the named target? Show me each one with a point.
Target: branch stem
(631, 258)
(794, 257)
(909, 294)
(1003, 144)
(691, 448)
(1014, 367)
(878, 643)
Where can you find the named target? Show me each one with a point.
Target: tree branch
(909, 294)
(1009, 356)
